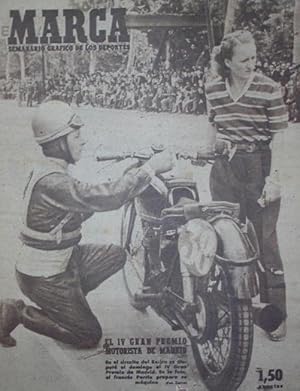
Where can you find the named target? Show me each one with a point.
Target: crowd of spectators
(285, 74)
(159, 91)
(162, 6)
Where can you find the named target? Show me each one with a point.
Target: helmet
(52, 120)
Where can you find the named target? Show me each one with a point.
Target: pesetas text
(76, 28)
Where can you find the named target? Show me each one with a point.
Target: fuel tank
(151, 202)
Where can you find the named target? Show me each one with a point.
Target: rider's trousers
(64, 313)
(241, 180)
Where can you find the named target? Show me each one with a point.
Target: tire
(224, 352)
(134, 270)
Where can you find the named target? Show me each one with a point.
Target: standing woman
(246, 109)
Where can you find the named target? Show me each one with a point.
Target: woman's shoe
(279, 334)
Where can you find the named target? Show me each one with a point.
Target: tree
(232, 7)
(270, 21)
(22, 65)
(296, 49)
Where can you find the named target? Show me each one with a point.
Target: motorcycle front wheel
(223, 353)
(134, 271)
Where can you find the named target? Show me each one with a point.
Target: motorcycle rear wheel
(134, 270)
(223, 355)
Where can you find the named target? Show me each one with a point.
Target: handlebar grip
(206, 156)
(197, 156)
(122, 156)
(105, 157)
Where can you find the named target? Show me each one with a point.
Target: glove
(161, 162)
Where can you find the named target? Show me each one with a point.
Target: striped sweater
(253, 116)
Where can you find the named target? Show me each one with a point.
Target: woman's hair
(225, 50)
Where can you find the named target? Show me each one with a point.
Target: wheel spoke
(137, 270)
(216, 350)
(134, 270)
(137, 242)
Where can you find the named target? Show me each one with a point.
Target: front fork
(239, 261)
(241, 277)
(237, 255)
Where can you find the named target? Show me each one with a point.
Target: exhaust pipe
(267, 316)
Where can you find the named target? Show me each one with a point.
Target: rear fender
(237, 256)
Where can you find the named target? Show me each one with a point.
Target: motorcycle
(195, 264)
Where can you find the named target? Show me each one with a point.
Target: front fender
(237, 256)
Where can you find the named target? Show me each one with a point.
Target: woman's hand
(271, 192)
(272, 189)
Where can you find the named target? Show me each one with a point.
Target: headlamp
(197, 246)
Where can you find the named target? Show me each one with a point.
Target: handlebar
(194, 157)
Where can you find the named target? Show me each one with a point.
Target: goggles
(75, 122)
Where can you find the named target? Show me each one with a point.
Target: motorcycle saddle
(206, 210)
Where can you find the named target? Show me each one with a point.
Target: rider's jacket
(56, 204)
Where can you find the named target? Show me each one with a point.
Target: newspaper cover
(149, 195)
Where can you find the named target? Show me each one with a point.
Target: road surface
(39, 363)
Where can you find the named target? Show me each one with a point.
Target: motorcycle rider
(246, 111)
(55, 271)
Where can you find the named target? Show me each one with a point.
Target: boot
(10, 318)
(14, 312)
(37, 321)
